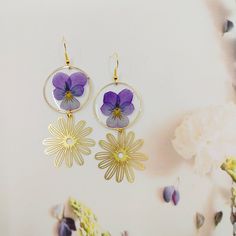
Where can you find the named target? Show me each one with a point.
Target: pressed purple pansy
(67, 88)
(117, 107)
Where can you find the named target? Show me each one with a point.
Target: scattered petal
(176, 197)
(218, 217)
(168, 193)
(233, 218)
(64, 229)
(71, 223)
(228, 26)
(200, 219)
(230, 167)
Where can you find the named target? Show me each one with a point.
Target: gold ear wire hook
(65, 53)
(115, 75)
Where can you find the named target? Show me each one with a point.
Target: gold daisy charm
(121, 156)
(69, 141)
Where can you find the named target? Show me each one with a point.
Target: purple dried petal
(71, 223)
(106, 109)
(78, 78)
(68, 84)
(125, 96)
(176, 197)
(115, 122)
(110, 98)
(168, 192)
(77, 90)
(127, 109)
(58, 94)
(228, 26)
(59, 80)
(218, 217)
(64, 229)
(69, 105)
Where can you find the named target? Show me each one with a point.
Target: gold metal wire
(65, 52)
(136, 94)
(115, 75)
(69, 67)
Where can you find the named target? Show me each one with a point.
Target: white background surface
(169, 51)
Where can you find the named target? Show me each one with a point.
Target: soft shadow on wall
(163, 159)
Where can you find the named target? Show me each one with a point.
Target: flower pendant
(121, 156)
(69, 141)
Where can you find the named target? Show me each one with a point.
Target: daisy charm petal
(69, 142)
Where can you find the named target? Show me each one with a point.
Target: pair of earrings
(117, 106)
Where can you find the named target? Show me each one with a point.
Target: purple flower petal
(127, 110)
(71, 223)
(78, 78)
(176, 197)
(59, 80)
(64, 229)
(115, 122)
(70, 105)
(110, 98)
(68, 84)
(106, 109)
(168, 192)
(125, 96)
(58, 94)
(77, 90)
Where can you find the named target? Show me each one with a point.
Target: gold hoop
(69, 67)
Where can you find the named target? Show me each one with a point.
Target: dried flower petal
(168, 193)
(176, 197)
(230, 167)
(71, 223)
(218, 217)
(228, 26)
(233, 218)
(200, 219)
(64, 229)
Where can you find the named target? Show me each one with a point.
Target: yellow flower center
(69, 95)
(117, 112)
(121, 155)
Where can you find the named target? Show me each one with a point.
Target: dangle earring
(67, 90)
(117, 106)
